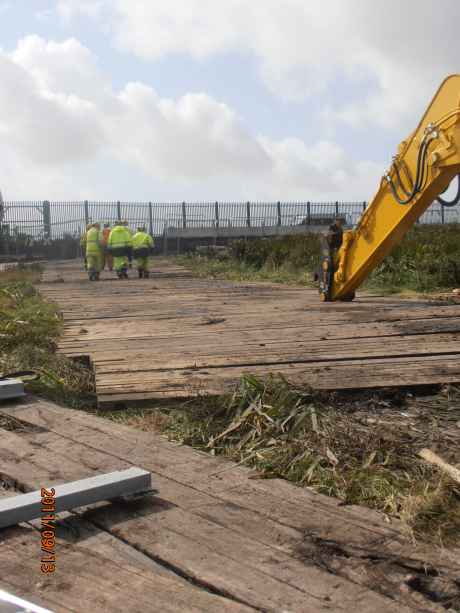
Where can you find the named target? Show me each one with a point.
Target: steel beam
(68, 496)
(11, 388)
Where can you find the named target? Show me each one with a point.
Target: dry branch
(432, 458)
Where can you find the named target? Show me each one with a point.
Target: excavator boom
(423, 168)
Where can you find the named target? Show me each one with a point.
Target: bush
(427, 259)
(301, 251)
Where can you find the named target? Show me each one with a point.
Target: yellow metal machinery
(421, 171)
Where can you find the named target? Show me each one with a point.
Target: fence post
(278, 209)
(216, 209)
(336, 209)
(442, 213)
(165, 240)
(85, 205)
(248, 214)
(46, 219)
(184, 215)
(309, 213)
(118, 210)
(150, 219)
(364, 205)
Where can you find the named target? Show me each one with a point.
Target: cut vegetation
(361, 448)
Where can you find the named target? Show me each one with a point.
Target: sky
(205, 100)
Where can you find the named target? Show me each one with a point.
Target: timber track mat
(212, 539)
(176, 335)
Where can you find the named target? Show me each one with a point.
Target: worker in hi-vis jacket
(120, 246)
(142, 244)
(83, 243)
(94, 252)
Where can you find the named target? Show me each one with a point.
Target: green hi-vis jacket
(119, 237)
(93, 242)
(142, 239)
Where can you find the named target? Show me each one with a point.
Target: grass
(29, 329)
(234, 270)
(427, 260)
(323, 442)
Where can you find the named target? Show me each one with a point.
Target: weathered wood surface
(175, 335)
(212, 539)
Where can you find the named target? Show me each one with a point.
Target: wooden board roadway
(213, 538)
(175, 335)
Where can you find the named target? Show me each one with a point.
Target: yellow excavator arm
(423, 168)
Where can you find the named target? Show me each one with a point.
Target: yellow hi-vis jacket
(93, 246)
(142, 239)
(119, 237)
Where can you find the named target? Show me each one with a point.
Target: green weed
(428, 259)
(29, 329)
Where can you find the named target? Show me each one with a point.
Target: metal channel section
(26, 507)
(11, 388)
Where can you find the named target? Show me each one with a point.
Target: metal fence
(41, 220)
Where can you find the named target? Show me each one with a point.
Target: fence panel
(23, 218)
(42, 221)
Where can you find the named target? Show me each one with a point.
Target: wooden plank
(232, 561)
(322, 375)
(86, 580)
(274, 514)
(278, 353)
(150, 338)
(73, 529)
(194, 480)
(195, 477)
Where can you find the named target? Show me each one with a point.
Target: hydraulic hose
(400, 183)
(421, 172)
(419, 179)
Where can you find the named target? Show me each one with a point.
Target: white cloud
(322, 171)
(45, 127)
(66, 67)
(60, 119)
(400, 51)
(193, 137)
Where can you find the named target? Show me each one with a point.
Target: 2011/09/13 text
(48, 530)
